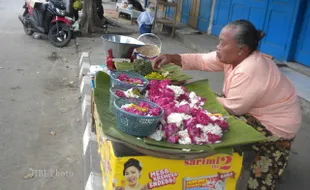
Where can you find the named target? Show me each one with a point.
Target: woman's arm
(203, 62)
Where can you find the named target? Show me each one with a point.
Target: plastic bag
(146, 18)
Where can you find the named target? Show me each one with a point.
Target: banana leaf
(177, 73)
(239, 132)
(107, 122)
(123, 66)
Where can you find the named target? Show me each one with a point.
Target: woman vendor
(255, 88)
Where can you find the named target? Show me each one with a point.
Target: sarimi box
(140, 172)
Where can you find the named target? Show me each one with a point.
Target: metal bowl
(121, 46)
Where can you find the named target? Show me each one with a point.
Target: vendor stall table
(219, 171)
(134, 14)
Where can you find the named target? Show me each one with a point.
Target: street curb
(92, 171)
(84, 65)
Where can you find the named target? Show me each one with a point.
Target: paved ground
(36, 101)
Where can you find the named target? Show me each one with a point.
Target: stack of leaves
(144, 67)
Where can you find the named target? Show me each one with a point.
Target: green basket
(133, 124)
(113, 97)
(117, 83)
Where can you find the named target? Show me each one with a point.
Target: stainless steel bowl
(121, 46)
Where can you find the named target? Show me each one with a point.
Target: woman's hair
(247, 34)
(132, 162)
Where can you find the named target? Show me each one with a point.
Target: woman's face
(132, 174)
(227, 50)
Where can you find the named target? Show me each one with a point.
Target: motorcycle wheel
(27, 27)
(63, 37)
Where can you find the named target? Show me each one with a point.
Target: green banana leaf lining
(239, 133)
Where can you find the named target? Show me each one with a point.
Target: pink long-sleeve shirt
(255, 86)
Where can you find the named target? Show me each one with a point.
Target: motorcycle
(49, 19)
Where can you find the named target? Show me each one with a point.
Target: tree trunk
(90, 21)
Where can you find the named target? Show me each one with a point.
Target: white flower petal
(178, 91)
(157, 135)
(176, 118)
(210, 128)
(185, 140)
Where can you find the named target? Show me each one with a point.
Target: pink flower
(203, 100)
(194, 111)
(193, 131)
(132, 80)
(189, 122)
(168, 109)
(160, 94)
(123, 77)
(213, 138)
(167, 93)
(222, 124)
(154, 84)
(173, 139)
(143, 108)
(120, 93)
(144, 105)
(164, 83)
(155, 111)
(203, 118)
(193, 139)
(183, 97)
(153, 92)
(165, 101)
(170, 127)
(184, 109)
(203, 138)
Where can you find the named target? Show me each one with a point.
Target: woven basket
(133, 124)
(117, 83)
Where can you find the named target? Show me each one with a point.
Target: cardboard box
(121, 170)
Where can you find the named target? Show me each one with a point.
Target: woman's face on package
(132, 174)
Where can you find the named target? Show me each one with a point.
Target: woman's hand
(167, 59)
